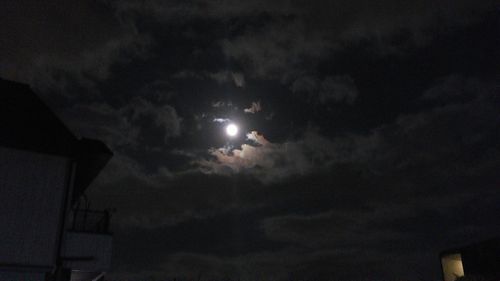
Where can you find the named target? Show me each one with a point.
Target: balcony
(88, 242)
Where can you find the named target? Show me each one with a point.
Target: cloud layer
(380, 122)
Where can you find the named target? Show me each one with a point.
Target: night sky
(369, 131)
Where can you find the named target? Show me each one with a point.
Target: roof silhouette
(27, 123)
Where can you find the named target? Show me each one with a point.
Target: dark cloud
(293, 36)
(163, 117)
(129, 125)
(104, 121)
(380, 122)
(435, 142)
(188, 10)
(276, 50)
(323, 219)
(144, 197)
(49, 43)
(331, 89)
(220, 77)
(342, 17)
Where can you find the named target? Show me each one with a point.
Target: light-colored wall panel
(32, 187)
(87, 251)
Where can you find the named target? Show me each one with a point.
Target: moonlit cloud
(271, 162)
(238, 79)
(225, 76)
(218, 104)
(257, 138)
(221, 120)
(254, 108)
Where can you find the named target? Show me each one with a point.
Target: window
(452, 266)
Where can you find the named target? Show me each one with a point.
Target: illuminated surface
(231, 130)
(452, 267)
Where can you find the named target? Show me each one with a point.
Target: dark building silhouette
(480, 260)
(47, 231)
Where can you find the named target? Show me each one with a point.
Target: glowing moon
(231, 130)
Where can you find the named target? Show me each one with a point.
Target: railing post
(85, 220)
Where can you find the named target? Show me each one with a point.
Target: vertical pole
(60, 273)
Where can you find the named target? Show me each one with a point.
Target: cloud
(224, 76)
(153, 198)
(166, 11)
(430, 173)
(346, 228)
(452, 144)
(456, 88)
(218, 104)
(297, 35)
(162, 116)
(213, 267)
(254, 108)
(330, 89)
(184, 74)
(339, 88)
(220, 77)
(353, 16)
(276, 50)
(102, 121)
(412, 140)
(258, 139)
(221, 120)
(315, 224)
(137, 122)
(291, 40)
(239, 79)
(51, 44)
(270, 162)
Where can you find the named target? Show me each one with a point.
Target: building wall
(24, 276)
(32, 191)
(88, 252)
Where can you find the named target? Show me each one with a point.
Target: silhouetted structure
(476, 260)
(44, 171)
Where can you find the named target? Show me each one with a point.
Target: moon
(231, 130)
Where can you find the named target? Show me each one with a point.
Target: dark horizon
(368, 134)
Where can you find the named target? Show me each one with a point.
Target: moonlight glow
(232, 130)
